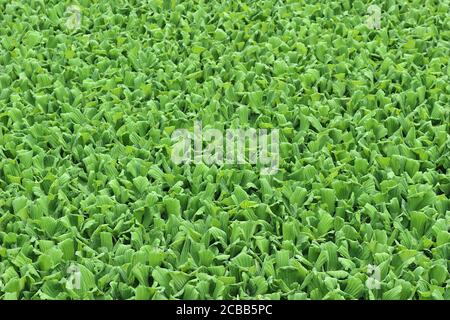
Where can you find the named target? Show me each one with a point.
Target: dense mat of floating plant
(86, 117)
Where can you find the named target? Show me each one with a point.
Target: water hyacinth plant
(93, 207)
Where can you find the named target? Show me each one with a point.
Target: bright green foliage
(86, 117)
